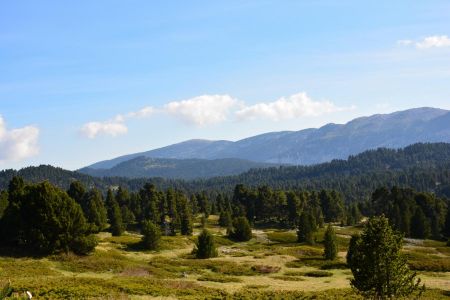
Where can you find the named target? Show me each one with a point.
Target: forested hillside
(424, 167)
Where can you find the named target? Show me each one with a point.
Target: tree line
(423, 167)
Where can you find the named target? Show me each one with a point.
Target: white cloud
(112, 128)
(295, 106)
(435, 41)
(202, 110)
(18, 144)
(405, 42)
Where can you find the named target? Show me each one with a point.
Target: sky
(84, 81)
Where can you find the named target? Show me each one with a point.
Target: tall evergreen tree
(307, 227)
(151, 235)
(117, 226)
(330, 244)
(446, 230)
(186, 226)
(380, 270)
(76, 191)
(94, 210)
(420, 226)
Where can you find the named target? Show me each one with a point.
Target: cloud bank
(18, 144)
(295, 106)
(435, 41)
(202, 110)
(207, 110)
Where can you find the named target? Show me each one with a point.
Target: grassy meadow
(269, 266)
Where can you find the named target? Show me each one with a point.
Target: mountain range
(205, 158)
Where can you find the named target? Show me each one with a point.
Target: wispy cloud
(213, 109)
(114, 127)
(202, 110)
(294, 106)
(435, 41)
(18, 144)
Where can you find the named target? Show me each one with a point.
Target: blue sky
(84, 81)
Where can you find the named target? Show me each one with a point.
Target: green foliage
(5, 291)
(446, 229)
(117, 226)
(84, 245)
(151, 235)
(94, 209)
(186, 223)
(330, 244)
(420, 226)
(42, 218)
(378, 267)
(307, 227)
(218, 278)
(3, 202)
(225, 219)
(241, 229)
(205, 246)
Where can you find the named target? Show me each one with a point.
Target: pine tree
(151, 235)
(241, 229)
(205, 246)
(225, 219)
(330, 250)
(186, 226)
(94, 210)
(446, 230)
(420, 226)
(380, 270)
(117, 226)
(307, 227)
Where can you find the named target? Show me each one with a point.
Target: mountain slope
(176, 168)
(424, 167)
(312, 146)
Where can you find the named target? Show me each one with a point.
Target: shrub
(205, 246)
(241, 229)
(84, 245)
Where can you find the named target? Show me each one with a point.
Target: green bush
(241, 229)
(205, 247)
(84, 245)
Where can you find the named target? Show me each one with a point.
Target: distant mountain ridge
(314, 145)
(192, 168)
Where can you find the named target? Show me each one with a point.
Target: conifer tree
(330, 244)
(205, 246)
(94, 210)
(420, 226)
(306, 228)
(379, 269)
(151, 235)
(225, 219)
(117, 226)
(241, 229)
(186, 226)
(446, 230)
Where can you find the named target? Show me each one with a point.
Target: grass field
(271, 265)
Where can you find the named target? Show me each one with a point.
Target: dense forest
(47, 219)
(423, 167)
